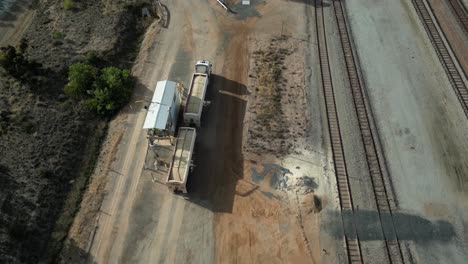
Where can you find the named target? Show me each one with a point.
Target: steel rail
(453, 74)
(353, 246)
(370, 141)
(460, 12)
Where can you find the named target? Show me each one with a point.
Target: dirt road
(246, 208)
(14, 22)
(123, 187)
(226, 217)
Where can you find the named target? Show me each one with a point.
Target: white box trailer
(196, 95)
(163, 109)
(181, 160)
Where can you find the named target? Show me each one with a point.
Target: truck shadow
(218, 152)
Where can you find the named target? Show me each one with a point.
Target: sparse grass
(74, 197)
(57, 35)
(3, 58)
(68, 4)
(270, 88)
(269, 76)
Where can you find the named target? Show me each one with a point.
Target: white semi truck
(196, 94)
(181, 159)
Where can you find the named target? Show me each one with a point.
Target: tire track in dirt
(107, 238)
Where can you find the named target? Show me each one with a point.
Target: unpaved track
(113, 222)
(223, 219)
(13, 26)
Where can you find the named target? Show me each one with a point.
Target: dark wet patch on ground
(277, 175)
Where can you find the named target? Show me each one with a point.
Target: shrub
(68, 4)
(101, 102)
(112, 90)
(81, 78)
(57, 35)
(118, 81)
(92, 59)
(3, 58)
(105, 91)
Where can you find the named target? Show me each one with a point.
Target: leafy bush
(92, 59)
(3, 58)
(81, 78)
(113, 89)
(104, 91)
(68, 4)
(58, 35)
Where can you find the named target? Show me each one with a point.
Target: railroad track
(456, 79)
(353, 246)
(460, 12)
(385, 205)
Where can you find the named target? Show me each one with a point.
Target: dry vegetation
(48, 142)
(277, 122)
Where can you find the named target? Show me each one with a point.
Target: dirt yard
(263, 188)
(247, 207)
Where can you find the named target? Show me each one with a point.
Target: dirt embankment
(48, 142)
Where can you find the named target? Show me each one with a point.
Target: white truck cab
(203, 66)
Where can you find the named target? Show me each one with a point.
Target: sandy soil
(423, 130)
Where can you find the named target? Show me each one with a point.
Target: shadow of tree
(366, 225)
(75, 254)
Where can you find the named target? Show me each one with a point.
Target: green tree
(112, 90)
(101, 102)
(81, 78)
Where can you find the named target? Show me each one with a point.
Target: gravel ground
(422, 127)
(360, 182)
